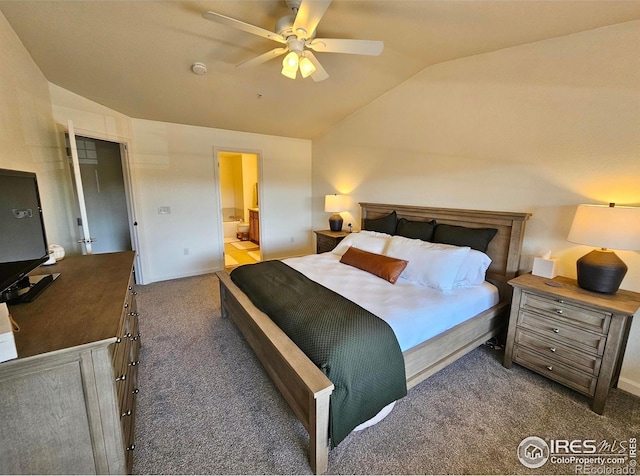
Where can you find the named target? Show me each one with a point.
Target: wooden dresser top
(83, 305)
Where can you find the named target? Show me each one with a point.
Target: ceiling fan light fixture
(290, 65)
(291, 60)
(289, 73)
(306, 67)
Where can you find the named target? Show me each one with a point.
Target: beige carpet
(206, 406)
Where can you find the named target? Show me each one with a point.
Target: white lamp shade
(606, 226)
(334, 203)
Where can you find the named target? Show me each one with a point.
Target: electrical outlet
(186, 251)
(164, 210)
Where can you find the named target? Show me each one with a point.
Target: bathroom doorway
(240, 207)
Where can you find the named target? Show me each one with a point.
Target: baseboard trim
(629, 386)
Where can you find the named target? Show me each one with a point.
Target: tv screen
(23, 242)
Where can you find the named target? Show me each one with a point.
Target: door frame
(128, 188)
(216, 172)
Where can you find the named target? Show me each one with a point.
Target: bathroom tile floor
(234, 257)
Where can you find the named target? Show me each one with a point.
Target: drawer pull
(135, 391)
(559, 311)
(550, 367)
(121, 378)
(134, 363)
(561, 301)
(556, 330)
(127, 413)
(552, 349)
(118, 340)
(126, 305)
(131, 448)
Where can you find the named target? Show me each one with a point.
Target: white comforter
(415, 313)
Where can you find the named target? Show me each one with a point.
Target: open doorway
(240, 208)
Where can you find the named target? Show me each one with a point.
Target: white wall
(173, 165)
(28, 136)
(537, 128)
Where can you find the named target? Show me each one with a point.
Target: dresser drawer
(553, 349)
(590, 319)
(555, 370)
(559, 330)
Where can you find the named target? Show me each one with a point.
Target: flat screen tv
(23, 241)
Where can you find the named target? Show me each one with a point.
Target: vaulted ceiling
(136, 56)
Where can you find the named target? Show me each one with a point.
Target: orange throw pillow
(382, 266)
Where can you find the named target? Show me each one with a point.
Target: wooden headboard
(505, 248)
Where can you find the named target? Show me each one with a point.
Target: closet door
(86, 238)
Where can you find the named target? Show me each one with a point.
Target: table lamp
(607, 227)
(335, 204)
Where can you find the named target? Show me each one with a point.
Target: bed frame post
(319, 433)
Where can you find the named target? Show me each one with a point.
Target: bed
(306, 388)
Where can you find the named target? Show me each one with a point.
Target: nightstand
(568, 334)
(326, 240)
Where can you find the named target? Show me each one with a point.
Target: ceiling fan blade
(240, 25)
(320, 74)
(309, 15)
(354, 47)
(263, 58)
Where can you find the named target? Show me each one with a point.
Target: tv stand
(29, 288)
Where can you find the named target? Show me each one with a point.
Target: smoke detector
(199, 68)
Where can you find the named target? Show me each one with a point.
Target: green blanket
(356, 350)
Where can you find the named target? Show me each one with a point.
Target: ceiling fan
(297, 34)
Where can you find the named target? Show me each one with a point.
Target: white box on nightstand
(7, 342)
(545, 267)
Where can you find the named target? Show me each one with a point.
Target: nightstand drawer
(555, 370)
(560, 330)
(556, 350)
(591, 319)
(327, 240)
(326, 243)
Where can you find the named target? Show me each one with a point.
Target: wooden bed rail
(303, 385)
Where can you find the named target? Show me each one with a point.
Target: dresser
(67, 402)
(326, 240)
(573, 336)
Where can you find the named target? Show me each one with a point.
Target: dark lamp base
(601, 271)
(335, 222)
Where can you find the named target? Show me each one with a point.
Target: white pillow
(370, 241)
(430, 264)
(473, 270)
